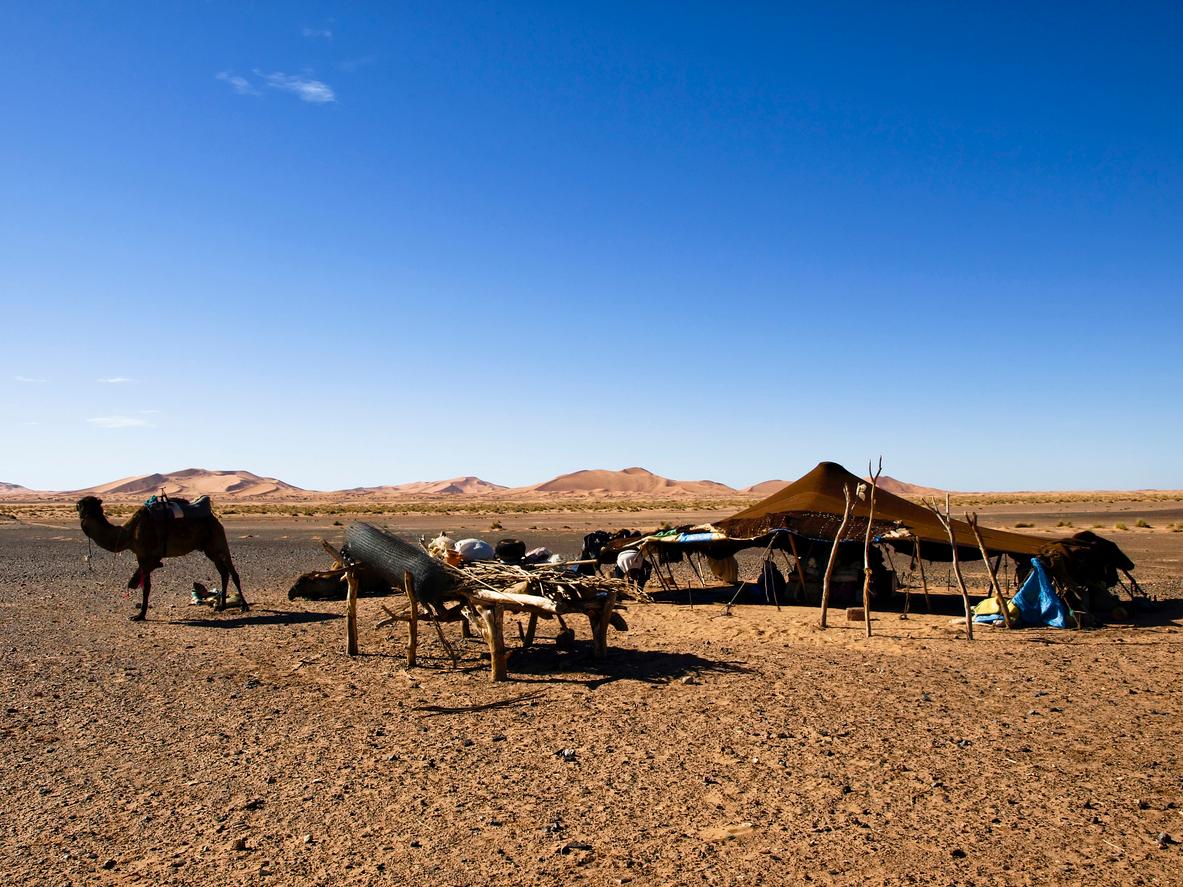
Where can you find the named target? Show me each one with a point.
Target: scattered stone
(1143, 805)
(253, 804)
(499, 737)
(466, 742)
(571, 846)
(308, 839)
(1165, 840)
(238, 845)
(567, 754)
(958, 853)
(109, 864)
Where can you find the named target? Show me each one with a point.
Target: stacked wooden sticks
(482, 592)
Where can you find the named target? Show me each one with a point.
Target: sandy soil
(200, 748)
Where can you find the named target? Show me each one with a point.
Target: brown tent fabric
(812, 507)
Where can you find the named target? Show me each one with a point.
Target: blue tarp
(1038, 603)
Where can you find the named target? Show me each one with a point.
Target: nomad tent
(812, 506)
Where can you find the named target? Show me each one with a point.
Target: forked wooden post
(846, 512)
(867, 546)
(600, 622)
(947, 523)
(413, 620)
(351, 612)
(492, 623)
(972, 520)
(527, 636)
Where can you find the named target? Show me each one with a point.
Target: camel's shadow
(259, 618)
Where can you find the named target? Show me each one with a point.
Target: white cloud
(240, 85)
(305, 88)
(28, 380)
(119, 422)
(116, 380)
(317, 32)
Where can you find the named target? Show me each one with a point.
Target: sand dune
(630, 481)
(193, 482)
(766, 488)
(903, 488)
(467, 485)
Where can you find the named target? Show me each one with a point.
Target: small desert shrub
(338, 523)
(1064, 523)
(1142, 523)
(496, 525)
(1022, 525)
(1120, 526)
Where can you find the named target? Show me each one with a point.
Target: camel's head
(89, 506)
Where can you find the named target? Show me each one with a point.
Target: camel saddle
(164, 508)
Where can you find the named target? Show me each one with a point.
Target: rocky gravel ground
(204, 748)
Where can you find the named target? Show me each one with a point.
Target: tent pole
(923, 578)
(947, 523)
(846, 512)
(972, 520)
(867, 547)
(800, 569)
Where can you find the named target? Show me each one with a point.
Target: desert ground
(750, 748)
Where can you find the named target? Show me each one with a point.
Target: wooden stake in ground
(947, 523)
(413, 622)
(800, 569)
(492, 625)
(923, 577)
(972, 520)
(846, 512)
(599, 625)
(351, 612)
(867, 545)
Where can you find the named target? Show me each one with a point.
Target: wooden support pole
(800, 569)
(846, 512)
(923, 578)
(972, 520)
(493, 628)
(527, 636)
(413, 622)
(351, 613)
(867, 546)
(599, 623)
(947, 523)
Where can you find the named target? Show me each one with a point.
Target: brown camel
(153, 539)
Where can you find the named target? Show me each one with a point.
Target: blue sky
(349, 244)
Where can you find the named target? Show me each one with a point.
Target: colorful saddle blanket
(163, 508)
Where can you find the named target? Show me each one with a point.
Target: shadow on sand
(260, 617)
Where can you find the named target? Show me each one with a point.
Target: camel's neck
(104, 533)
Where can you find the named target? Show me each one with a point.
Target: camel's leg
(234, 575)
(226, 572)
(145, 583)
(224, 575)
